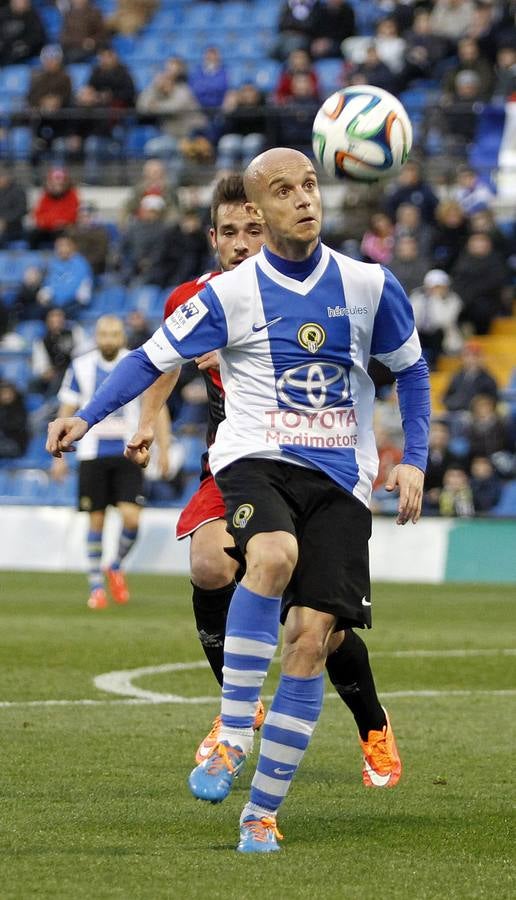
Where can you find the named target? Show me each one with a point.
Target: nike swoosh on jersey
(279, 771)
(377, 779)
(267, 324)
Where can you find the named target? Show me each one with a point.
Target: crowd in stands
(189, 91)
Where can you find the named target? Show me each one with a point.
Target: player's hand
(208, 360)
(138, 448)
(59, 469)
(409, 481)
(62, 433)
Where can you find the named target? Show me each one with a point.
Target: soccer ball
(362, 133)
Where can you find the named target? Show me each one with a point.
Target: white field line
(121, 683)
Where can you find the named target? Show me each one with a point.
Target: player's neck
(293, 250)
(294, 268)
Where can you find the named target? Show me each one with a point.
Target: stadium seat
(483, 155)
(35, 457)
(52, 20)
(19, 142)
(201, 15)
(31, 331)
(79, 74)
(194, 447)
(266, 74)
(15, 367)
(15, 79)
(329, 73)
(265, 15)
(143, 72)
(506, 505)
(136, 138)
(146, 299)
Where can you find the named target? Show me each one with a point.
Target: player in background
(106, 477)
(295, 459)
(234, 237)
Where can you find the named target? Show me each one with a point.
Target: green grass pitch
(94, 801)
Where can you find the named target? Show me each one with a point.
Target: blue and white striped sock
(94, 550)
(126, 541)
(252, 630)
(287, 731)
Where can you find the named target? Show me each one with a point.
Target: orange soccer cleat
(382, 763)
(208, 744)
(117, 585)
(98, 599)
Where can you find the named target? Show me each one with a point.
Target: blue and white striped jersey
(82, 378)
(294, 358)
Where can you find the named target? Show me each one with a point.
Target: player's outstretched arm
(63, 432)
(151, 424)
(409, 481)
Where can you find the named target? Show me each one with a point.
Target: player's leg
(126, 493)
(289, 724)
(261, 523)
(212, 574)
(92, 499)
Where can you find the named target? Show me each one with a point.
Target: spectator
(49, 94)
(483, 221)
(456, 498)
(471, 191)
(295, 26)
(492, 26)
(455, 118)
(94, 136)
(440, 458)
(83, 31)
(13, 207)
(391, 48)
(436, 311)
(292, 126)
(137, 329)
(488, 433)
(479, 276)
(244, 127)
(154, 180)
(209, 80)
(170, 98)
(52, 355)
(91, 237)
(451, 19)
(57, 207)
(505, 73)
(469, 59)
(68, 281)
(424, 48)
(389, 455)
(410, 187)
(471, 379)
(330, 24)
(408, 224)
(409, 264)
(486, 486)
(298, 62)
(374, 71)
(112, 81)
(450, 234)
(378, 241)
(183, 252)
(14, 432)
(143, 239)
(25, 304)
(21, 32)
(131, 15)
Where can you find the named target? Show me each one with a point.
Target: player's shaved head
(262, 169)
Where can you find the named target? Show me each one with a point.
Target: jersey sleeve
(186, 291)
(395, 341)
(70, 392)
(196, 327)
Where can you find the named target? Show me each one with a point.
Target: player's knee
(271, 561)
(307, 649)
(212, 571)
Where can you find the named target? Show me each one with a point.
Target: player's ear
(255, 213)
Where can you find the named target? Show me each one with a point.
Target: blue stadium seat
(31, 331)
(61, 493)
(136, 138)
(35, 457)
(15, 79)
(79, 74)
(19, 142)
(10, 103)
(506, 505)
(125, 45)
(329, 73)
(143, 73)
(28, 486)
(267, 74)
(264, 15)
(15, 367)
(52, 20)
(152, 47)
(201, 15)
(194, 447)
(166, 19)
(146, 299)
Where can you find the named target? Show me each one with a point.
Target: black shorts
(331, 526)
(107, 481)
